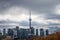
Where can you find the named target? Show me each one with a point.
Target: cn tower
(30, 19)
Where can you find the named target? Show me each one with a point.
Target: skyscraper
(24, 33)
(18, 31)
(47, 33)
(36, 32)
(4, 31)
(10, 32)
(0, 33)
(41, 32)
(14, 33)
(32, 31)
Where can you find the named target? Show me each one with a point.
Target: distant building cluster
(23, 33)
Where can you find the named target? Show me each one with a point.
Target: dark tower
(10, 32)
(18, 31)
(47, 33)
(30, 19)
(41, 32)
(31, 28)
(4, 32)
(36, 32)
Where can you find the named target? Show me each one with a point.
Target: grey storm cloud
(5, 24)
(22, 23)
(52, 16)
(45, 7)
(54, 24)
(41, 6)
(38, 5)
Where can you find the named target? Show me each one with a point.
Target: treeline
(55, 36)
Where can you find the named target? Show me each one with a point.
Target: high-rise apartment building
(41, 32)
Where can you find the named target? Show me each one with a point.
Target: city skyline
(19, 31)
(29, 19)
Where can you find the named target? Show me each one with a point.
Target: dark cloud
(45, 7)
(3, 21)
(52, 16)
(42, 6)
(37, 5)
(54, 25)
(6, 24)
(26, 23)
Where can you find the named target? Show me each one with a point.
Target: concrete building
(24, 33)
(47, 32)
(32, 31)
(10, 32)
(0, 33)
(4, 31)
(41, 32)
(36, 32)
(18, 31)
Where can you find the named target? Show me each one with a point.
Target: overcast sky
(45, 13)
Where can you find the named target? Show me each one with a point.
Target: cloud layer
(44, 12)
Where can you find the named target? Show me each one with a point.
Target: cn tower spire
(30, 18)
